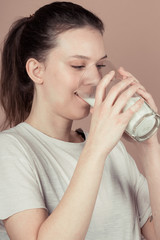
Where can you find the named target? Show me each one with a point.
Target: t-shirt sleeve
(19, 188)
(141, 190)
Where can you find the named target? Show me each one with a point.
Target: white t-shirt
(36, 169)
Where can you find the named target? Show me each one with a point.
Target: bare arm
(25, 225)
(149, 155)
(148, 230)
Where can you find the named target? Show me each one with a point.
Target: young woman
(60, 184)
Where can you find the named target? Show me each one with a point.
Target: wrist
(96, 148)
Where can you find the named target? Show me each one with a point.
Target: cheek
(57, 93)
(61, 83)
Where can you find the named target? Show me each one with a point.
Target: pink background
(132, 37)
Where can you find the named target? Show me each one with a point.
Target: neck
(51, 123)
(60, 130)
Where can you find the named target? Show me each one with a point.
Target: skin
(56, 81)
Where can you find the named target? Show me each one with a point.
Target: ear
(35, 70)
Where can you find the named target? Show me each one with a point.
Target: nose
(91, 76)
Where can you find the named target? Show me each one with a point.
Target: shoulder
(12, 143)
(7, 139)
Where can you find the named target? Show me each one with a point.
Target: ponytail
(14, 100)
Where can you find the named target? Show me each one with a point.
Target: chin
(81, 114)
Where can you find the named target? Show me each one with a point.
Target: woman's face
(76, 50)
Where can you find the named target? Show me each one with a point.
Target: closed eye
(78, 67)
(99, 66)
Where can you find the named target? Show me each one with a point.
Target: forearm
(150, 161)
(71, 218)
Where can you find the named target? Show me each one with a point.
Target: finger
(130, 76)
(148, 98)
(140, 85)
(124, 97)
(101, 88)
(126, 74)
(116, 90)
(128, 114)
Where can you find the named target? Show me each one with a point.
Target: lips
(75, 93)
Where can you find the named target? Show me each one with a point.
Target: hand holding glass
(142, 125)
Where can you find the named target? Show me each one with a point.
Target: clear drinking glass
(143, 124)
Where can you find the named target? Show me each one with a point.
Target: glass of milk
(143, 124)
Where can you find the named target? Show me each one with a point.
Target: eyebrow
(85, 57)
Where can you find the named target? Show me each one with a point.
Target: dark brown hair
(33, 37)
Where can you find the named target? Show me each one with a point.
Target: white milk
(142, 121)
(90, 101)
